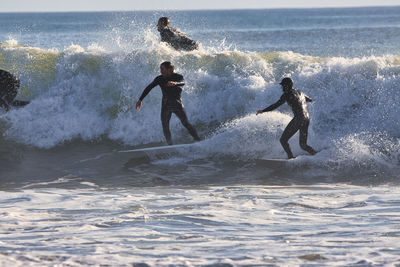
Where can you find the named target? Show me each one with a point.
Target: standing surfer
(171, 87)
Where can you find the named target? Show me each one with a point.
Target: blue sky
(100, 5)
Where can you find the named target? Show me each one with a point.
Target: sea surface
(69, 197)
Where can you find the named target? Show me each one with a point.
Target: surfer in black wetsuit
(9, 85)
(297, 101)
(171, 87)
(175, 38)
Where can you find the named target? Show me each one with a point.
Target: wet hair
(287, 82)
(164, 21)
(167, 64)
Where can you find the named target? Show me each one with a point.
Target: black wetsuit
(9, 85)
(297, 101)
(171, 103)
(177, 39)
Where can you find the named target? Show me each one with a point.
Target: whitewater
(70, 198)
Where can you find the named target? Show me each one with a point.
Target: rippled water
(333, 225)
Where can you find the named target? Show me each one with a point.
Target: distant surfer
(297, 101)
(175, 38)
(9, 85)
(171, 87)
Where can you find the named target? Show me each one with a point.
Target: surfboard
(274, 160)
(143, 155)
(156, 148)
(282, 163)
(272, 163)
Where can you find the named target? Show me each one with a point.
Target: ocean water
(70, 198)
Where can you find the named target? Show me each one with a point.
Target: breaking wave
(90, 94)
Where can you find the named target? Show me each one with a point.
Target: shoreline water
(234, 226)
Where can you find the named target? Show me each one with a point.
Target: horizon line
(199, 9)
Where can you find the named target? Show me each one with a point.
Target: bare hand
(171, 83)
(259, 112)
(138, 105)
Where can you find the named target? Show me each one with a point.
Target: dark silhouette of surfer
(9, 85)
(175, 38)
(171, 87)
(297, 101)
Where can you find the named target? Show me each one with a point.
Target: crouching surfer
(175, 38)
(297, 101)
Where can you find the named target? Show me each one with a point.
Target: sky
(126, 5)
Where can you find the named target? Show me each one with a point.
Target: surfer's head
(166, 68)
(162, 23)
(287, 84)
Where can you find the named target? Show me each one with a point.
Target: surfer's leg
(303, 138)
(181, 114)
(289, 131)
(165, 118)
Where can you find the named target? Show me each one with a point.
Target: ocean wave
(89, 94)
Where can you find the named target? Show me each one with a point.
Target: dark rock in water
(140, 265)
(312, 257)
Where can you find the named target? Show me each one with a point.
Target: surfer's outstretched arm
(273, 106)
(146, 91)
(181, 82)
(171, 83)
(15, 103)
(19, 103)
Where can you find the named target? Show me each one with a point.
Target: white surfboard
(274, 160)
(156, 148)
(272, 163)
(143, 155)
